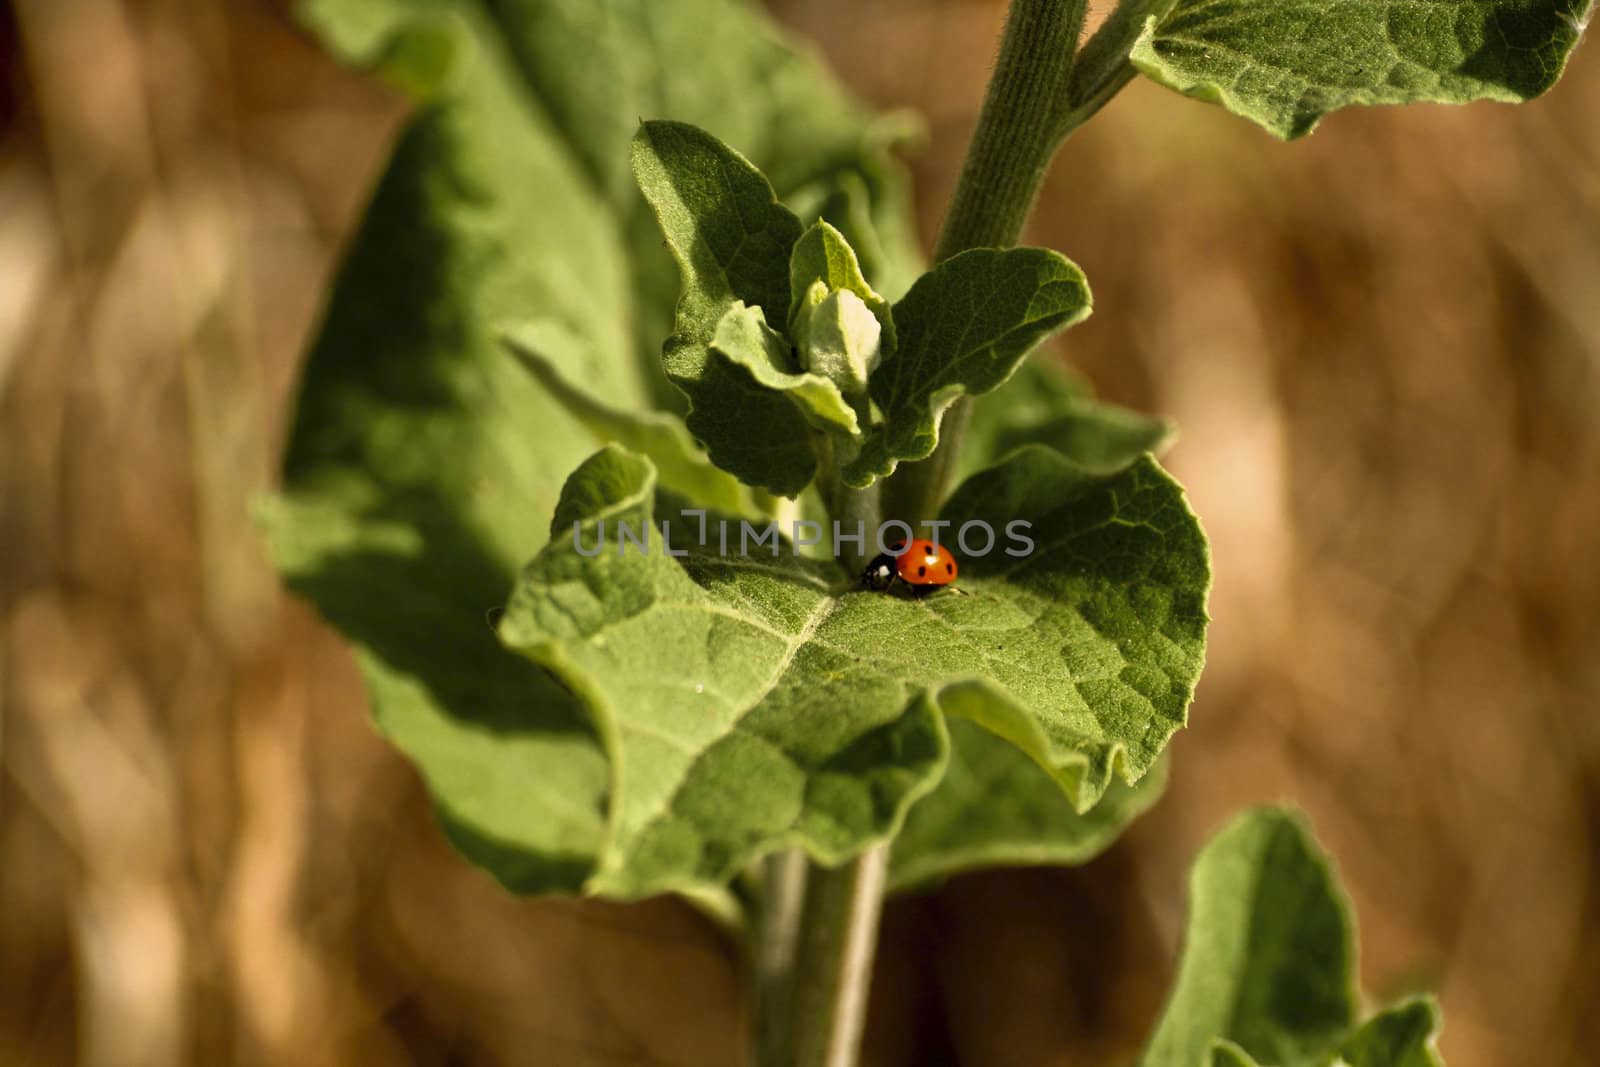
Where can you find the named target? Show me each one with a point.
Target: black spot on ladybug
(922, 572)
(949, 568)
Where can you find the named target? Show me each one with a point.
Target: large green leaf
(425, 459)
(995, 805)
(596, 67)
(421, 450)
(1286, 63)
(962, 329)
(1268, 969)
(754, 702)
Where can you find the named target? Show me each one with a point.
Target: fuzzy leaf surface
(1399, 1036)
(996, 807)
(420, 450)
(962, 329)
(682, 465)
(1044, 404)
(756, 702)
(745, 339)
(1284, 64)
(823, 255)
(732, 241)
(1268, 952)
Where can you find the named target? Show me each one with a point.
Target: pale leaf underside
(1286, 63)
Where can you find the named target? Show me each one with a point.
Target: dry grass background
(1383, 345)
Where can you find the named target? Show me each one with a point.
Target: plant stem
(783, 886)
(1025, 116)
(1018, 129)
(813, 959)
(833, 968)
(1027, 111)
(851, 508)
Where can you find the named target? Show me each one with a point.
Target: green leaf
(1268, 968)
(839, 338)
(823, 255)
(732, 725)
(1042, 404)
(422, 456)
(842, 329)
(863, 203)
(996, 807)
(732, 241)
(1284, 64)
(751, 702)
(1400, 1036)
(683, 465)
(744, 337)
(962, 330)
(1111, 599)
(1268, 952)
(424, 459)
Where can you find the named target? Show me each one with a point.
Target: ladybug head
(879, 574)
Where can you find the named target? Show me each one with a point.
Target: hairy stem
(1027, 111)
(1018, 129)
(833, 967)
(783, 886)
(818, 927)
(852, 509)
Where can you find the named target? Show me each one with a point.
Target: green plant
(490, 388)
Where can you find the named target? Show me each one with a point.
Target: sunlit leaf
(1284, 64)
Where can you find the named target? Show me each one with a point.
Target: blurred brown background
(1383, 346)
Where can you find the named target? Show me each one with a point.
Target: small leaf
(839, 338)
(1400, 1036)
(732, 241)
(1268, 951)
(1284, 64)
(744, 337)
(823, 255)
(962, 330)
(1267, 974)
(996, 807)
(752, 701)
(853, 200)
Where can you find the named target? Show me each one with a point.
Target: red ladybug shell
(925, 563)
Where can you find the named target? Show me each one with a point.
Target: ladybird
(922, 565)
